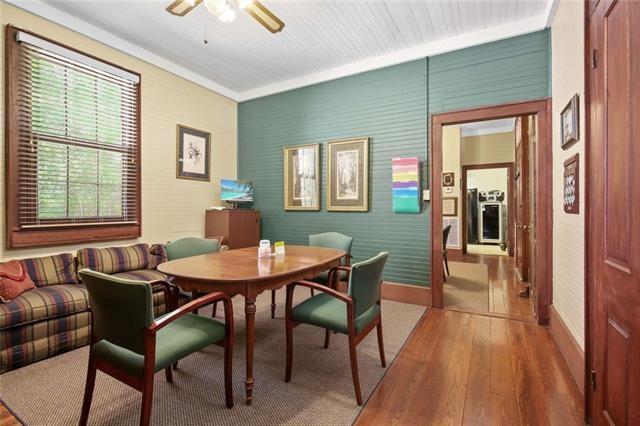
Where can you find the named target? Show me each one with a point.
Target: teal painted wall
(392, 106)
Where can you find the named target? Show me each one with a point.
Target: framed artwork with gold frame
(348, 175)
(193, 154)
(449, 206)
(302, 177)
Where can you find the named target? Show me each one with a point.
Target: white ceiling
(322, 40)
(487, 127)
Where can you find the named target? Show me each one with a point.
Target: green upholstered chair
(354, 314)
(129, 345)
(192, 246)
(334, 240)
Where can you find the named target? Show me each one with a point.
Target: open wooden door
(613, 212)
(530, 227)
(522, 176)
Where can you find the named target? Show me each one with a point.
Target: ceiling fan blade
(264, 16)
(182, 7)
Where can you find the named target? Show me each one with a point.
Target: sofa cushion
(14, 280)
(114, 259)
(51, 270)
(158, 255)
(142, 275)
(44, 303)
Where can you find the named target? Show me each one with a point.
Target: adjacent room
(327, 212)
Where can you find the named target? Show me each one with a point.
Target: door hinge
(593, 379)
(594, 58)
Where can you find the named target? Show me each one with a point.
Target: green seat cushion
(323, 278)
(328, 312)
(182, 337)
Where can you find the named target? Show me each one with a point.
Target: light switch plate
(425, 195)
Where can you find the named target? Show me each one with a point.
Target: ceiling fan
(224, 11)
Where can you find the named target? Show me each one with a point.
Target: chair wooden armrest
(192, 306)
(331, 292)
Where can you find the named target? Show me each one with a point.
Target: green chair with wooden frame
(334, 240)
(192, 246)
(129, 345)
(354, 314)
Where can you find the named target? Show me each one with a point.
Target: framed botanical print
(348, 175)
(302, 177)
(193, 154)
(571, 185)
(570, 123)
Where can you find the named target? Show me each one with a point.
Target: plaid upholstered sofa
(54, 317)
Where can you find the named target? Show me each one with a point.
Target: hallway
(504, 286)
(459, 368)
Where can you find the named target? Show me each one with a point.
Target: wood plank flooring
(504, 287)
(461, 368)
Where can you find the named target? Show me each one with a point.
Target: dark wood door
(522, 202)
(531, 199)
(613, 215)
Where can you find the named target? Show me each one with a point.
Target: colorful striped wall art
(406, 185)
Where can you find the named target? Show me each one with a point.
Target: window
(73, 145)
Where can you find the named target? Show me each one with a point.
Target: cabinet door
(244, 229)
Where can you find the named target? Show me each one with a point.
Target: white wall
(567, 43)
(451, 163)
(170, 207)
(486, 149)
(488, 180)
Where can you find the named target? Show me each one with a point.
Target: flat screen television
(236, 191)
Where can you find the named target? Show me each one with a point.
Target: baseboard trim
(406, 293)
(569, 348)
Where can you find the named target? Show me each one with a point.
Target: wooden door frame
(542, 186)
(510, 189)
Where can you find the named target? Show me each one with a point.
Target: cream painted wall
(489, 180)
(170, 207)
(567, 43)
(451, 163)
(487, 149)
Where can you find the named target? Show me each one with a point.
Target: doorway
(497, 208)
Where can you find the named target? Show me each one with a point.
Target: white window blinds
(78, 138)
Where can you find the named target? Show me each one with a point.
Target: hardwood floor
(504, 287)
(461, 368)
(7, 418)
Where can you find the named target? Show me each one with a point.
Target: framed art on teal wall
(406, 187)
(348, 175)
(302, 177)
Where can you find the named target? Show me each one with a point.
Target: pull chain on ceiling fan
(225, 12)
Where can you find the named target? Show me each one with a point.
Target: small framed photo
(571, 185)
(302, 177)
(193, 154)
(448, 179)
(348, 175)
(449, 206)
(570, 123)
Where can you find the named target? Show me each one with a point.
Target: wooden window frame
(74, 233)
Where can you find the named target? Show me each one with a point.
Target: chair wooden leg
(444, 277)
(354, 368)
(446, 264)
(287, 375)
(147, 401)
(381, 345)
(88, 393)
(228, 373)
(273, 304)
(175, 365)
(313, 293)
(215, 309)
(327, 337)
(168, 374)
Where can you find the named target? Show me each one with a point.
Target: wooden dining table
(242, 272)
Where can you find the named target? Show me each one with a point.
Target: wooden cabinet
(238, 227)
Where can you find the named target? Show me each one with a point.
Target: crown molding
(86, 29)
(475, 38)
(550, 11)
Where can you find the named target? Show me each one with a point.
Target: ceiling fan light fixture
(243, 4)
(228, 15)
(217, 7)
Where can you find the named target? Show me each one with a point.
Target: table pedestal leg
(250, 318)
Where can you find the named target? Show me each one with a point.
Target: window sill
(24, 238)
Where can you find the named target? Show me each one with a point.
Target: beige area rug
(468, 286)
(320, 392)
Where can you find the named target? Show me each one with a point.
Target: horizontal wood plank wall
(391, 106)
